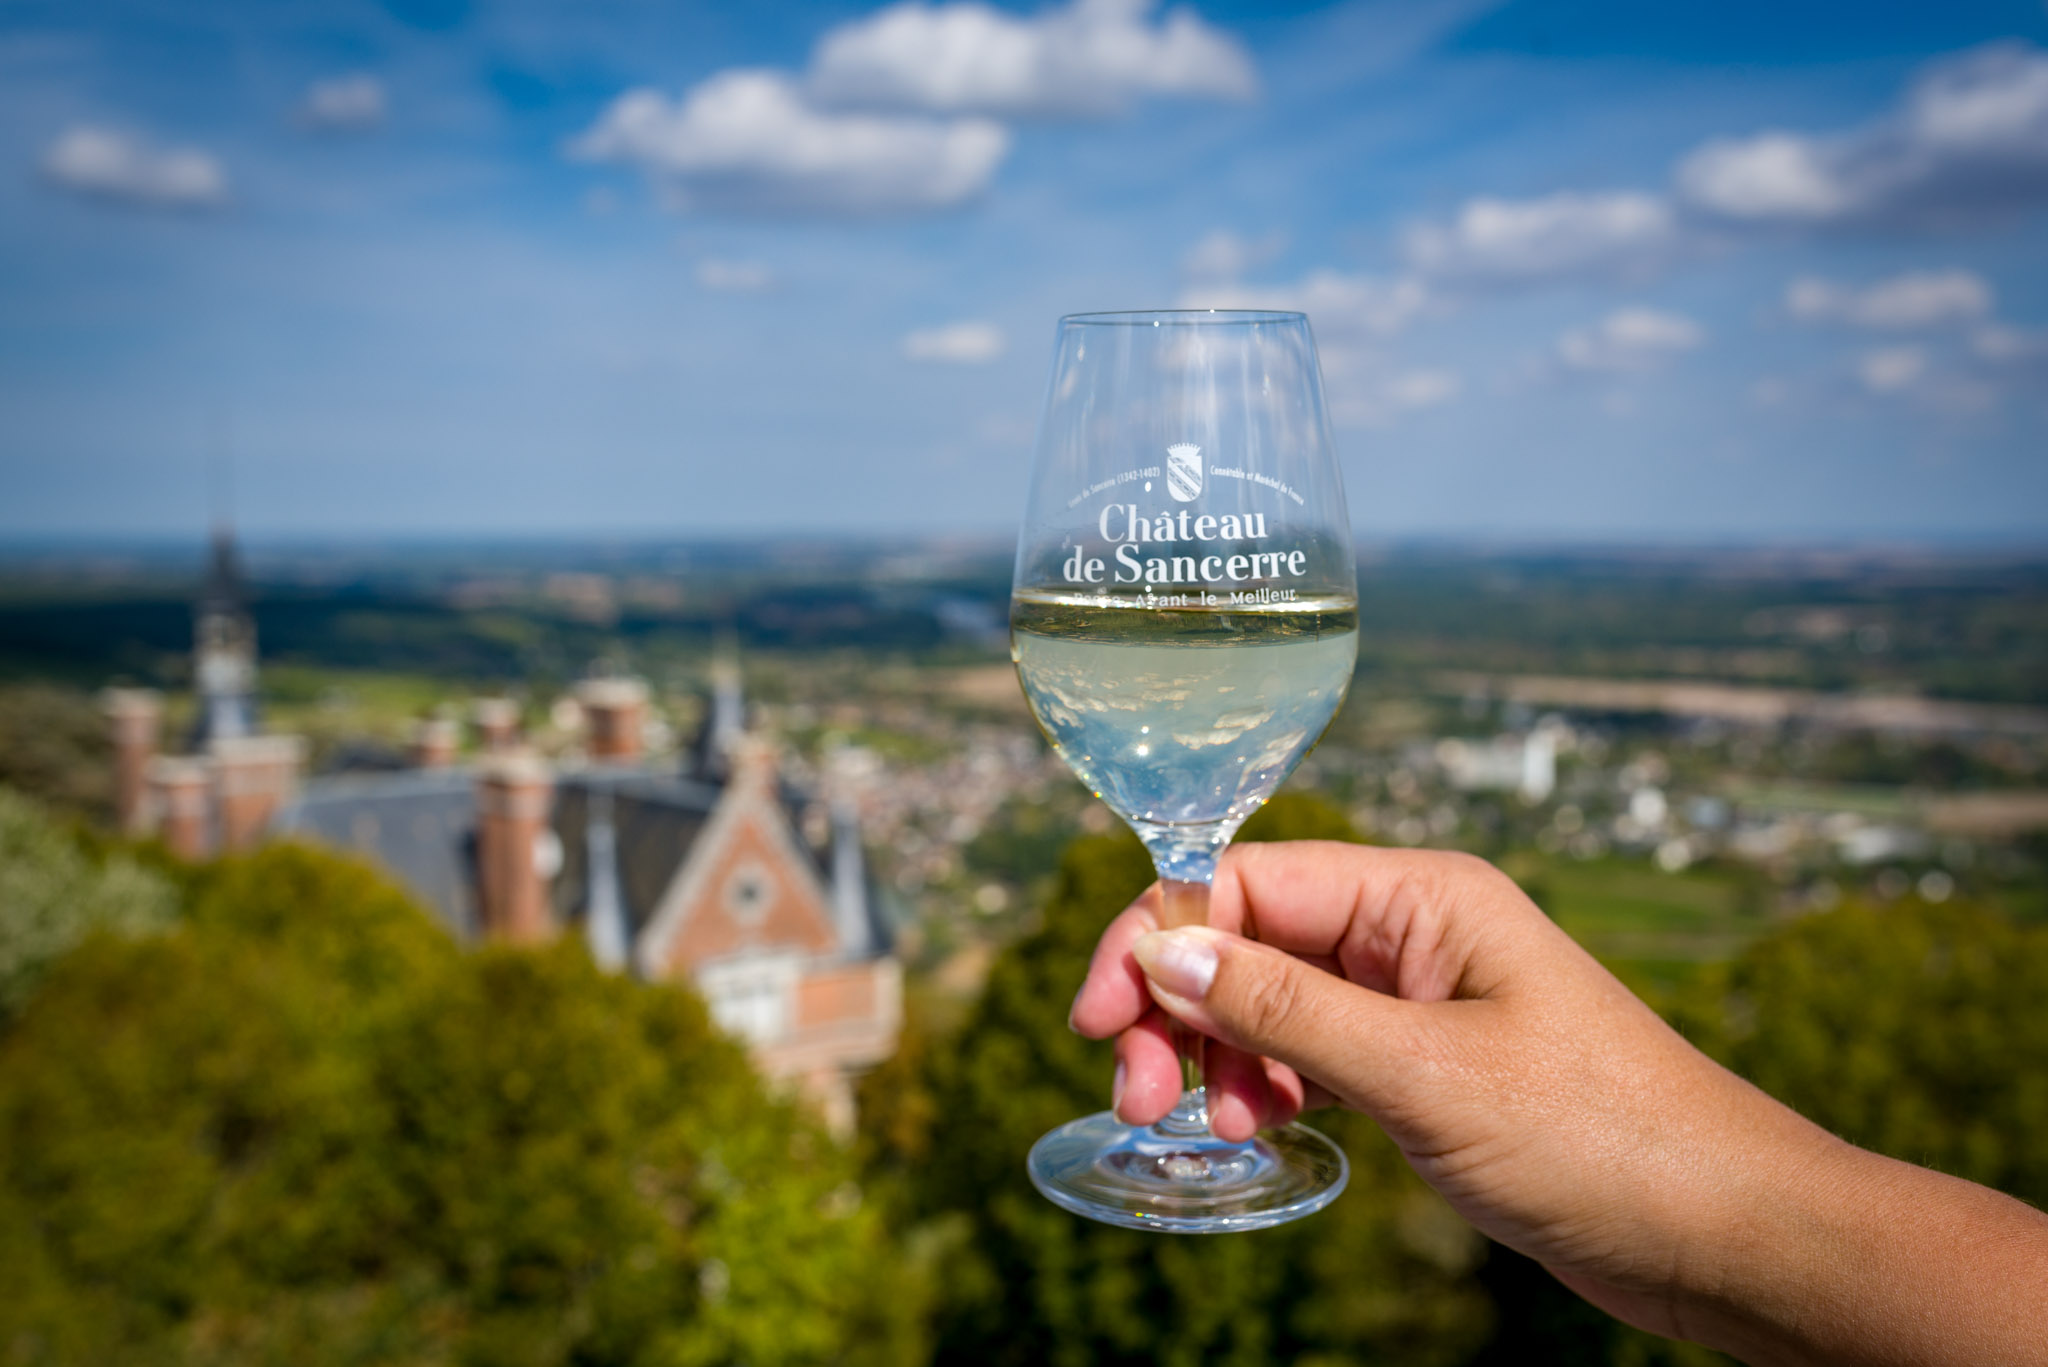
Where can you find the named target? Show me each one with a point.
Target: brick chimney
(435, 742)
(253, 776)
(517, 852)
(497, 724)
(180, 802)
(615, 713)
(133, 716)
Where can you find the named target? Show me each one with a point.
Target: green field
(1654, 929)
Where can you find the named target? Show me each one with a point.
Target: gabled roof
(421, 825)
(656, 820)
(744, 802)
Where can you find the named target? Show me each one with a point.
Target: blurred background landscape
(519, 839)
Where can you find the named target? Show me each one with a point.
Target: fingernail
(1076, 1006)
(1116, 1087)
(1182, 962)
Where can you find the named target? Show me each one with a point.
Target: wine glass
(1184, 622)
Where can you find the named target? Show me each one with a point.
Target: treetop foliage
(1916, 1030)
(1383, 1273)
(54, 892)
(303, 1127)
(265, 1111)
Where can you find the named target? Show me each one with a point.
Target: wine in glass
(1184, 622)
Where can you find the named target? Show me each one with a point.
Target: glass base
(1178, 1178)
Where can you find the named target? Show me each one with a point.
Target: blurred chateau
(696, 873)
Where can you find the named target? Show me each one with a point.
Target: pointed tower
(604, 917)
(726, 723)
(223, 650)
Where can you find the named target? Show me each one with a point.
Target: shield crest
(1184, 472)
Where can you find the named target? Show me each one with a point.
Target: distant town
(1676, 750)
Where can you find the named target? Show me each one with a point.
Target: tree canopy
(305, 1128)
(1913, 1029)
(265, 1111)
(1384, 1273)
(55, 891)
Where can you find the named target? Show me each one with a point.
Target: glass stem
(1185, 902)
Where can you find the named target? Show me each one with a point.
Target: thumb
(1351, 1039)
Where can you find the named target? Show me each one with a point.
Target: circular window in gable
(749, 892)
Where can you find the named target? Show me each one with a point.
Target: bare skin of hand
(1558, 1113)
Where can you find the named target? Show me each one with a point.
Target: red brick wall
(180, 796)
(796, 916)
(837, 996)
(133, 715)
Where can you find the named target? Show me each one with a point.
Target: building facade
(696, 874)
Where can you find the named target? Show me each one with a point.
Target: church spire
(223, 647)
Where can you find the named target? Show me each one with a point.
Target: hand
(1553, 1109)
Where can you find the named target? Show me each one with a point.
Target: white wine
(1183, 716)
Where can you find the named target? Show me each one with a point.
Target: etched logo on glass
(1184, 472)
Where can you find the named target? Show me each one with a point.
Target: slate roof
(655, 820)
(419, 824)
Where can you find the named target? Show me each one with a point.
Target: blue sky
(1591, 270)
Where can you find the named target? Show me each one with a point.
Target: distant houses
(693, 872)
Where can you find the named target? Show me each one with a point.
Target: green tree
(1912, 1029)
(305, 1128)
(54, 892)
(54, 748)
(1382, 1275)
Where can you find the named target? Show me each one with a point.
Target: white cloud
(1353, 316)
(1089, 58)
(1916, 299)
(1629, 340)
(1422, 388)
(344, 103)
(1889, 370)
(1970, 139)
(106, 164)
(1768, 176)
(1999, 342)
(1224, 255)
(1338, 305)
(956, 343)
(748, 141)
(1909, 374)
(1365, 391)
(1556, 234)
(734, 277)
(1989, 103)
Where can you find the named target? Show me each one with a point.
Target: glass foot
(1178, 1178)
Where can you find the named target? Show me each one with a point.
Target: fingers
(1147, 1071)
(1359, 1043)
(1291, 1092)
(1246, 1093)
(1403, 922)
(1240, 1097)
(1397, 921)
(1113, 995)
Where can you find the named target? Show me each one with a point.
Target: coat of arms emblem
(1184, 472)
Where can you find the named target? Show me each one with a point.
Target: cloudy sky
(1579, 269)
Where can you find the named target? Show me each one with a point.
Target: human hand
(1552, 1108)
